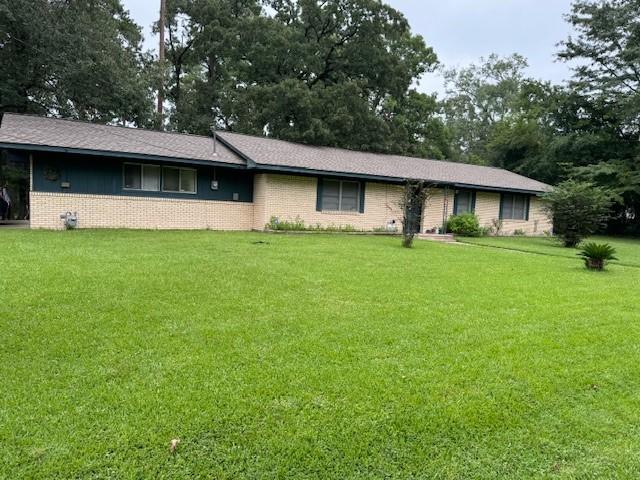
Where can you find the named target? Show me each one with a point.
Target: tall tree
(477, 98)
(607, 46)
(336, 72)
(73, 58)
(206, 47)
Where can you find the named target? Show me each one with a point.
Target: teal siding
(103, 176)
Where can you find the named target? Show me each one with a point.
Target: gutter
(384, 179)
(251, 164)
(107, 153)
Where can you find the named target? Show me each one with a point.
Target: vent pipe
(215, 140)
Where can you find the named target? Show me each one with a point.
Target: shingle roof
(266, 152)
(72, 134)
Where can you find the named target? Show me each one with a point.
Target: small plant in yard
(291, 225)
(597, 254)
(298, 225)
(518, 232)
(496, 226)
(334, 228)
(389, 229)
(466, 225)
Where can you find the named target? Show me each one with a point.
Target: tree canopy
(74, 59)
(337, 73)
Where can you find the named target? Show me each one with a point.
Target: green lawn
(628, 249)
(312, 356)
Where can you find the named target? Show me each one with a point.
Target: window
(141, 177)
(464, 202)
(181, 180)
(149, 178)
(340, 195)
(515, 207)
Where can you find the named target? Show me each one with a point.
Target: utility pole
(161, 59)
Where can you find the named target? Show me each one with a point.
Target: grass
(312, 357)
(628, 248)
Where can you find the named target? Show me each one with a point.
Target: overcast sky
(462, 31)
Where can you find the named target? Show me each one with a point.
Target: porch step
(434, 237)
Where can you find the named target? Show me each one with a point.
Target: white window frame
(141, 166)
(180, 170)
(340, 182)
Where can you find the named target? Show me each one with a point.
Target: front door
(414, 216)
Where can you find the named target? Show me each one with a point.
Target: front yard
(313, 356)
(628, 249)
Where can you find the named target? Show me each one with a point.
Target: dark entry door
(414, 216)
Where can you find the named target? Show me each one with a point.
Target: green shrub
(578, 210)
(595, 255)
(334, 228)
(298, 225)
(287, 225)
(518, 232)
(466, 225)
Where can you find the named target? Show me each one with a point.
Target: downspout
(445, 210)
(30, 171)
(30, 191)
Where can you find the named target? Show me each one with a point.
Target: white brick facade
(114, 211)
(487, 209)
(287, 197)
(291, 197)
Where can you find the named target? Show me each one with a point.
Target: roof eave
(498, 189)
(108, 153)
(381, 178)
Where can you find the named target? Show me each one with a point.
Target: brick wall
(111, 211)
(289, 197)
(260, 201)
(487, 208)
(434, 209)
(538, 222)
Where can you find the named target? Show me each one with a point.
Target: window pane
(132, 177)
(171, 179)
(519, 207)
(463, 203)
(188, 181)
(507, 207)
(150, 177)
(514, 207)
(350, 193)
(330, 195)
